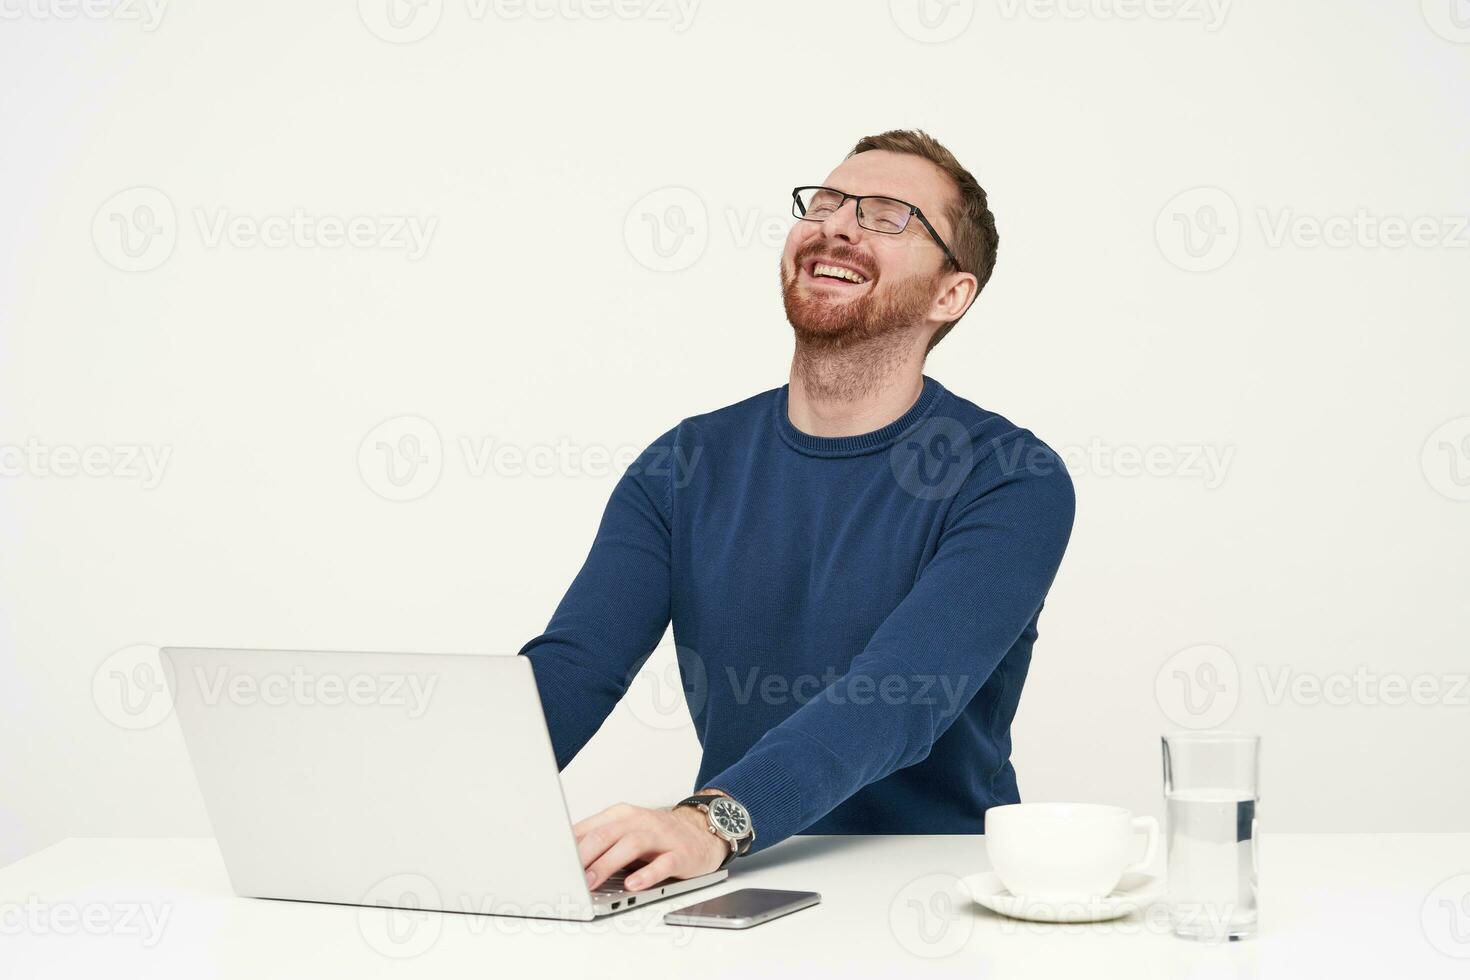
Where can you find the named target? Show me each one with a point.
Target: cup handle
(1149, 826)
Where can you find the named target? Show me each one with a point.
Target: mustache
(839, 254)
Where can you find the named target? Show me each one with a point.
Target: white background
(542, 147)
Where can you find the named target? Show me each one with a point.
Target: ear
(960, 289)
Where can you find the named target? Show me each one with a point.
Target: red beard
(824, 321)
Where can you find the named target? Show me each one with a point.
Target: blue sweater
(853, 617)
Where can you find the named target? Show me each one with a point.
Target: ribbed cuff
(768, 791)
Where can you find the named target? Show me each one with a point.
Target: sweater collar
(867, 442)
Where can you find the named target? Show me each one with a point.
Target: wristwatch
(728, 820)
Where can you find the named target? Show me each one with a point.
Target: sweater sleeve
(995, 560)
(616, 610)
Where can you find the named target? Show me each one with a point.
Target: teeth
(837, 272)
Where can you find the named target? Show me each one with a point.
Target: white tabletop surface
(1332, 905)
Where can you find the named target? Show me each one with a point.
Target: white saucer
(1134, 892)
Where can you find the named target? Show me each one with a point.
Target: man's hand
(676, 843)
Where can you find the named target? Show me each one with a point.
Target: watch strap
(739, 847)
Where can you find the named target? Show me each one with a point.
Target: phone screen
(748, 903)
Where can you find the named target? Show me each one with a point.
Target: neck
(856, 389)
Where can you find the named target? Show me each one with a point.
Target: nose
(843, 224)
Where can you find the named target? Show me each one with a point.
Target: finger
(630, 847)
(581, 827)
(654, 871)
(595, 843)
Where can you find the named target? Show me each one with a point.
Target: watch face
(730, 818)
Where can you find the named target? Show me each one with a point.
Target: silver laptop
(422, 781)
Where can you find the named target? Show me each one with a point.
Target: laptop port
(633, 900)
(616, 904)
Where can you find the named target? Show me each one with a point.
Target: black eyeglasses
(884, 215)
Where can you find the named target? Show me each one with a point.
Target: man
(854, 563)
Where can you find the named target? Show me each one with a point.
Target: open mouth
(828, 273)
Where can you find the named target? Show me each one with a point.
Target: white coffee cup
(1065, 852)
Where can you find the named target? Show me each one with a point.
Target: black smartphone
(742, 909)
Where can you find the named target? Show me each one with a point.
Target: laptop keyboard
(614, 885)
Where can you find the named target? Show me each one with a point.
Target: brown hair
(972, 239)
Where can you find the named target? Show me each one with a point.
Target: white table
(1344, 905)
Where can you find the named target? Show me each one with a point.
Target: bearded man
(854, 563)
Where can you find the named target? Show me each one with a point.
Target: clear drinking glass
(1211, 786)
